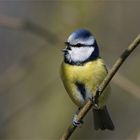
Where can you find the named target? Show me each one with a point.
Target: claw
(96, 106)
(75, 122)
(97, 92)
(94, 100)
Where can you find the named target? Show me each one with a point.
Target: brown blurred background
(33, 102)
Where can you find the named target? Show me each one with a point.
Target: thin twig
(103, 85)
(27, 25)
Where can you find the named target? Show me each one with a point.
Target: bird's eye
(78, 45)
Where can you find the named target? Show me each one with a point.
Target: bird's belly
(78, 99)
(90, 76)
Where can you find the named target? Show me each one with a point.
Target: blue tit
(82, 71)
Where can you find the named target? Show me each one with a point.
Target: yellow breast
(91, 74)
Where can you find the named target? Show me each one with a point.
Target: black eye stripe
(77, 45)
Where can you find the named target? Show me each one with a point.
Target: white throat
(79, 54)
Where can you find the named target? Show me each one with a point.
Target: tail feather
(102, 119)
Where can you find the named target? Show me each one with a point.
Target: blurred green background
(33, 102)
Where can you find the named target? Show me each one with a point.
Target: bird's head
(81, 47)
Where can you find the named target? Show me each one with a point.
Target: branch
(27, 25)
(103, 85)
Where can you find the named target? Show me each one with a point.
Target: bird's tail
(102, 119)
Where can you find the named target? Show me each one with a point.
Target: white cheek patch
(80, 54)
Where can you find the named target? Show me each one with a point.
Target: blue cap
(82, 36)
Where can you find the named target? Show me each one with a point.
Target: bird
(82, 71)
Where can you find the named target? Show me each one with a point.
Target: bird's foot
(97, 92)
(75, 121)
(96, 106)
(95, 102)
